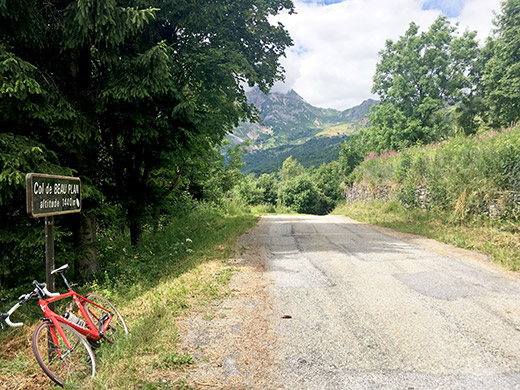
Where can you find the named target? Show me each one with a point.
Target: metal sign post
(49, 253)
(47, 196)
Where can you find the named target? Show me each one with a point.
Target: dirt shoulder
(230, 342)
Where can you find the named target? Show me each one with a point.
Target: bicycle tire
(117, 325)
(75, 368)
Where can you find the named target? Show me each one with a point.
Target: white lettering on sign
(38, 188)
(73, 189)
(60, 189)
(70, 202)
(49, 204)
(57, 189)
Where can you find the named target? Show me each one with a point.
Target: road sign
(49, 195)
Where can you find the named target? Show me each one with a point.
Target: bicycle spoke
(99, 317)
(74, 366)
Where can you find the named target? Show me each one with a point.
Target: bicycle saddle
(63, 268)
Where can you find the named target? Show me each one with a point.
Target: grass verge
(498, 238)
(182, 269)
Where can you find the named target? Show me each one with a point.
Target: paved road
(371, 311)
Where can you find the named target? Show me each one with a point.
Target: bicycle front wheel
(73, 367)
(117, 326)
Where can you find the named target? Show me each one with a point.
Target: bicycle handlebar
(43, 287)
(8, 314)
(37, 292)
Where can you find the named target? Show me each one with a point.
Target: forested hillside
(289, 126)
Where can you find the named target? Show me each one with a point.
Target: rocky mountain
(291, 126)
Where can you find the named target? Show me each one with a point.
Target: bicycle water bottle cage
(102, 321)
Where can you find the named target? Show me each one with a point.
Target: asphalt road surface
(354, 308)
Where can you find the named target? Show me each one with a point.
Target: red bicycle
(61, 351)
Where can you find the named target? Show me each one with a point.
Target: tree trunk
(86, 263)
(136, 232)
(157, 212)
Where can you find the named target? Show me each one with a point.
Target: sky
(336, 42)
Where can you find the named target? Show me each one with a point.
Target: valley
(290, 126)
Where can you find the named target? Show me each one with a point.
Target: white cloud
(478, 15)
(336, 46)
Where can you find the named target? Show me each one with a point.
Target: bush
(269, 186)
(300, 194)
(248, 192)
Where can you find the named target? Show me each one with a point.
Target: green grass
(335, 130)
(497, 238)
(194, 284)
(182, 268)
(467, 174)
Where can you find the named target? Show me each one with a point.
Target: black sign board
(49, 195)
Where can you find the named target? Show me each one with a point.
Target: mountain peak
(291, 125)
(292, 93)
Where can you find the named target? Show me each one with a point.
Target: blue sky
(450, 8)
(336, 42)
(324, 2)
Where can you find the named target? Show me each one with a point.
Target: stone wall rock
(366, 192)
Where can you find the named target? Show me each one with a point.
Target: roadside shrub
(248, 192)
(269, 186)
(300, 194)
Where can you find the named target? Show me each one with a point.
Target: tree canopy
(122, 92)
(417, 79)
(501, 75)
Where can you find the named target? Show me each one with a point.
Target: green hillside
(291, 126)
(314, 152)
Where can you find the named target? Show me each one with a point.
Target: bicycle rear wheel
(74, 367)
(117, 326)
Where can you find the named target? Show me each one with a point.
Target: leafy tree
(350, 155)
(248, 192)
(501, 77)
(312, 191)
(327, 179)
(122, 93)
(300, 194)
(417, 78)
(290, 168)
(268, 184)
(221, 173)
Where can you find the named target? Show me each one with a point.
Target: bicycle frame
(91, 332)
(64, 346)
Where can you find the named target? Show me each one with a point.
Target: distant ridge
(292, 126)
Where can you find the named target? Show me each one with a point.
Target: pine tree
(116, 91)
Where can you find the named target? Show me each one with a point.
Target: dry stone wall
(366, 192)
(507, 203)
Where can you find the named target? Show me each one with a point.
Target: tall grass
(467, 176)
